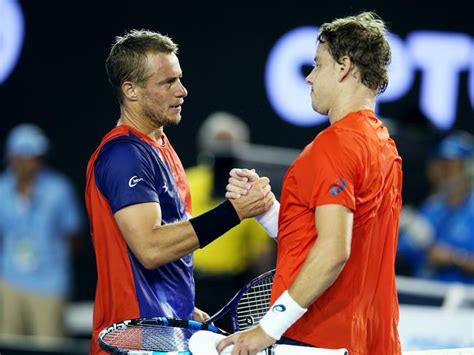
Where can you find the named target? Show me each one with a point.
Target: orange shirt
(353, 163)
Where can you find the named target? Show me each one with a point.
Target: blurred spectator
(244, 251)
(438, 240)
(39, 217)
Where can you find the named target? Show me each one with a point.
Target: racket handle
(205, 342)
(281, 349)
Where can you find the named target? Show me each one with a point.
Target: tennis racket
(151, 336)
(163, 335)
(249, 304)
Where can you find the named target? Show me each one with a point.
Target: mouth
(176, 107)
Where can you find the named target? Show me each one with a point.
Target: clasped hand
(249, 194)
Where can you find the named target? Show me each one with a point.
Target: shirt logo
(165, 187)
(134, 180)
(338, 187)
(278, 308)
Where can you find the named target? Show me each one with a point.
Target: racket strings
(254, 303)
(150, 337)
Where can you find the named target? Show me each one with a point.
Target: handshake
(252, 196)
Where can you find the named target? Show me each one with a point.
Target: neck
(131, 117)
(24, 185)
(359, 98)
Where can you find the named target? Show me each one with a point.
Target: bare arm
(328, 256)
(321, 268)
(153, 244)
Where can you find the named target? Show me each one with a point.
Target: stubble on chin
(169, 122)
(160, 120)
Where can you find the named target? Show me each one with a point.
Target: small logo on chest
(134, 180)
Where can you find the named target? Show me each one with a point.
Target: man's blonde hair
(128, 55)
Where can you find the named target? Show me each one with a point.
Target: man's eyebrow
(170, 79)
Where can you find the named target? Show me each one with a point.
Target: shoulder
(339, 141)
(123, 144)
(123, 150)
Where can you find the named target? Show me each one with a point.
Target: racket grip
(283, 349)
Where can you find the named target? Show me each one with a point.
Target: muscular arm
(152, 243)
(328, 256)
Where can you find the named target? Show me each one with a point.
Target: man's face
(322, 80)
(162, 95)
(451, 170)
(25, 167)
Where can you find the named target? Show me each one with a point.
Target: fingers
(239, 183)
(200, 315)
(237, 187)
(263, 181)
(232, 195)
(250, 175)
(224, 343)
(264, 186)
(269, 200)
(205, 316)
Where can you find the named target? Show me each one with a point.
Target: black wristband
(212, 224)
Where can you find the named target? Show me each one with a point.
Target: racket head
(249, 304)
(158, 335)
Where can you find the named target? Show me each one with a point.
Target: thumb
(224, 343)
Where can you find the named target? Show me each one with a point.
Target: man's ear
(345, 67)
(130, 90)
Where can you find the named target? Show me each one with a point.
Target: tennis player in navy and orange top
(334, 284)
(128, 169)
(137, 194)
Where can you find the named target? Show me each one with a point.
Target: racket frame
(231, 306)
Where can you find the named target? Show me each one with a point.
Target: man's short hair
(128, 55)
(362, 39)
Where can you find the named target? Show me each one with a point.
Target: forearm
(319, 271)
(442, 256)
(326, 262)
(168, 243)
(155, 244)
(464, 261)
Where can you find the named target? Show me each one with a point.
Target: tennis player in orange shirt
(338, 222)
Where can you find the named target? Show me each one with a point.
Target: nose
(309, 78)
(182, 92)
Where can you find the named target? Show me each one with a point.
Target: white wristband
(269, 220)
(284, 312)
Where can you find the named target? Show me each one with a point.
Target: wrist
(232, 202)
(269, 219)
(212, 224)
(284, 312)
